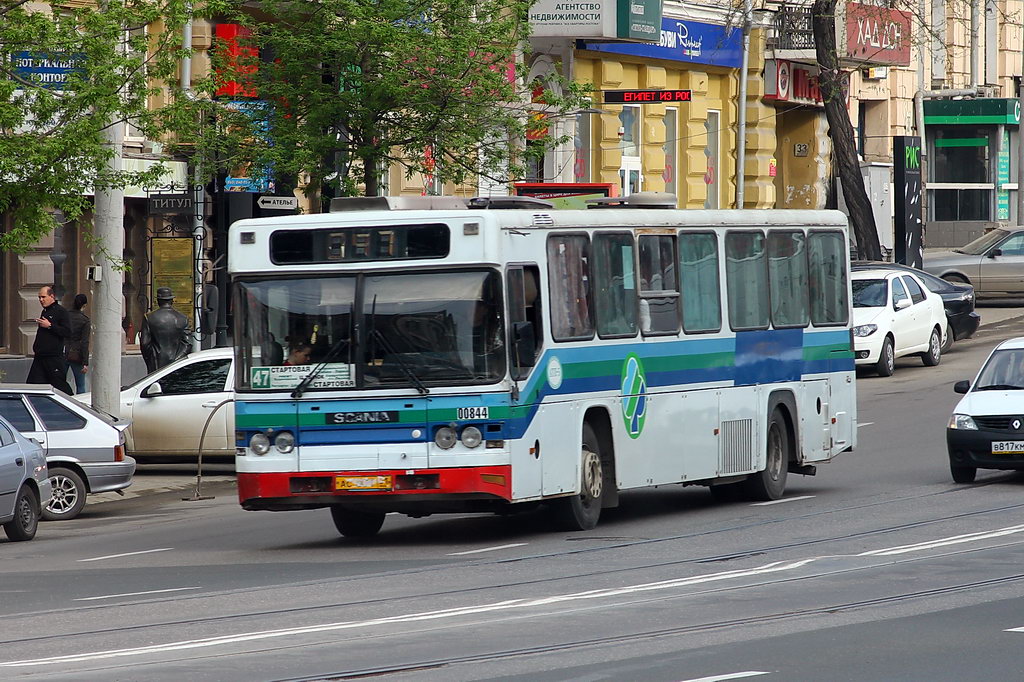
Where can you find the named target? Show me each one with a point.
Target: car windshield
(1004, 371)
(870, 293)
(983, 243)
(370, 330)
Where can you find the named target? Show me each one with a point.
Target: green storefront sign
(639, 19)
(972, 111)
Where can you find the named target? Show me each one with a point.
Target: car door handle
(210, 403)
(19, 461)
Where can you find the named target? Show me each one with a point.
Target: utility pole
(741, 127)
(105, 368)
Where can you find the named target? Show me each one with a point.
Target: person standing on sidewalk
(78, 343)
(48, 363)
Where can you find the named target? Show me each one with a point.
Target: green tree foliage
(52, 152)
(347, 88)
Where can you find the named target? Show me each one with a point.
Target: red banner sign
(877, 35)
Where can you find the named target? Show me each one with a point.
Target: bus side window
(746, 272)
(787, 279)
(828, 285)
(524, 313)
(572, 317)
(698, 282)
(615, 285)
(659, 292)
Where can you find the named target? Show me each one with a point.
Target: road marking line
(954, 540)
(860, 424)
(774, 567)
(488, 549)
(1014, 630)
(729, 676)
(118, 556)
(785, 499)
(135, 594)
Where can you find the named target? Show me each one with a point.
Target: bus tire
(770, 483)
(581, 512)
(356, 524)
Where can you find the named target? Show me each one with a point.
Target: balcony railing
(793, 28)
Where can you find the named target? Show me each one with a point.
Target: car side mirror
(962, 386)
(153, 390)
(902, 304)
(524, 344)
(995, 252)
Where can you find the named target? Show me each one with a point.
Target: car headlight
(284, 442)
(259, 444)
(865, 330)
(963, 422)
(471, 436)
(445, 437)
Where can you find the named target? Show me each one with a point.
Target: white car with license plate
(986, 430)
(894, 315)
(170, 407)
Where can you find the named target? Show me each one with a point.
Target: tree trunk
(840, 130)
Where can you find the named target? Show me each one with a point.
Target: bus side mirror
(524, 344)
(962, 386)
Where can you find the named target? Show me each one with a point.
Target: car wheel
(963, 474)
(581, 512)
(356, 524)
(948, 343)
(886, 364)
(26, 516)
(68, 495)
(955, 279)
(933, 355)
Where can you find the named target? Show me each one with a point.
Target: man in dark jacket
(48, 364)
(78, 342)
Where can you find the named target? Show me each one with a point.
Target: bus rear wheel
(356, 524)
(770, 483)
(581, 512)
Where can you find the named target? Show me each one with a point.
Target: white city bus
(438, 355)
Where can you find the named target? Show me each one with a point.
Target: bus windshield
(371, 331)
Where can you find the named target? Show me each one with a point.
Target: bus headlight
(445, 438)
(865, 330)
(471, 436)
(259, 444)
(284, 442)
(963, 422)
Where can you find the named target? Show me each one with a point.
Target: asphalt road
(878, 568)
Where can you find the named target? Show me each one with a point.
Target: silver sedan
(85, 449)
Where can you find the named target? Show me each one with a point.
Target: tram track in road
(508, 584)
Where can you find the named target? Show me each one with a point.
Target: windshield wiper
(308, 379)
(401, 363)
(1000, 387)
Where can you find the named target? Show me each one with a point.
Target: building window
(961, 184)
(711, 152)
(630, 171)
(581, 145)
(670, 174)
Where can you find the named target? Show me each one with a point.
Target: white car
(170, 407)
(895, 315)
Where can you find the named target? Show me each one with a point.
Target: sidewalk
(994, 312)
(154, 479)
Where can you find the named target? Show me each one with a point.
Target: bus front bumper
(405, 490)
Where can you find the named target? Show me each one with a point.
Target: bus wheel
(581, 512)
(356, 524)
(771, 483)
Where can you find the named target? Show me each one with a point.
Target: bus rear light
(417, 482)
(119, 453)
(310, 484)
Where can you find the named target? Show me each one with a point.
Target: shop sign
(588, 19)
(877, 35)
(686, 41)
(170, 204)
(50, 71)
(1003, 177)
(907, 224)
(982, 111)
